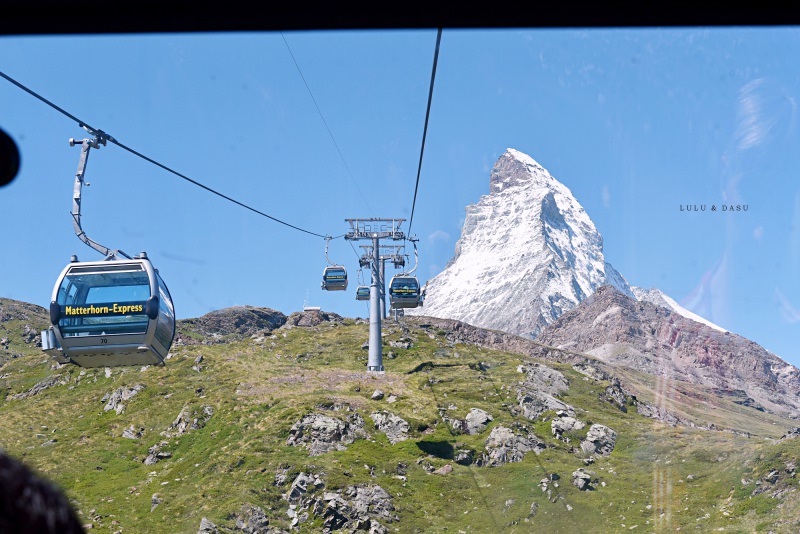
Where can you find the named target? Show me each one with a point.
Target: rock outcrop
(312, 318)
(116, 399)
(356, 508)
(323, 432)
(539, 391)
(229, 324)
(395, 427)
(599, 440)
(504, 445)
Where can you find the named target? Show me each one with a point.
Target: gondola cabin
(334, 278)
(362, 293)
(404, 292)
(110, 313)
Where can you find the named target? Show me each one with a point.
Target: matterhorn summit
(528, 252)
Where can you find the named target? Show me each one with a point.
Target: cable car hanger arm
(100, 138)
(416, 255)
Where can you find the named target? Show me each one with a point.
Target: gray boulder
(565, 423)
(538, 392)
(395, 427)
(504, 446)
(114, 401)
(476, 421)
(321, 433)
(583, 480)
(207, 527)
(252, 520)
(599, 440)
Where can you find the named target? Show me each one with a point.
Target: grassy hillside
(207, 436)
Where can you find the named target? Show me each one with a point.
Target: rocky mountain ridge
(640, 335)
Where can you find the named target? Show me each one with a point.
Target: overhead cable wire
(354, 248)
(330, 133)
(215, 192)
(83, 124)
(425, 129)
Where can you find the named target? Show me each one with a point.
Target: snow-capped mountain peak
(528, 252)
(519, 169)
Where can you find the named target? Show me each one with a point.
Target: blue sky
(636, 122)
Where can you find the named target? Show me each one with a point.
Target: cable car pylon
(374, 230)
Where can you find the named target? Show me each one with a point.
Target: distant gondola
(334, 278)
(362, 293)
(404, 291)
(110, 313)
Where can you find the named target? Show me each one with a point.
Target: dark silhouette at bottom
(30, 504)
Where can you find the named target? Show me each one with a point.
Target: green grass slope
(207, 436)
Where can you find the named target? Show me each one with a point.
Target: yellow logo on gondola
(105, 309)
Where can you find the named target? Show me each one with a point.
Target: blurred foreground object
(30, 504)
(9, 159)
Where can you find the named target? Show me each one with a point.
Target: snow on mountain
(657, 297)
(528, 252)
